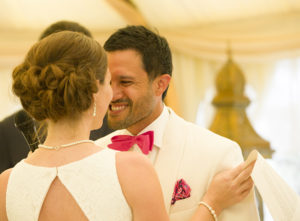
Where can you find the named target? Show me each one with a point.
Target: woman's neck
(66, 131)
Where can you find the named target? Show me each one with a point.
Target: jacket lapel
(169, 157)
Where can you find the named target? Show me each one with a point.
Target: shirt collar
(158, 126)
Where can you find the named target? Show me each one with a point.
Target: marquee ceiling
(196, 27)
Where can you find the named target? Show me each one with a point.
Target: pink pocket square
(181, 191)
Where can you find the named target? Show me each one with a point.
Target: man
(13, 146)
(140, 63)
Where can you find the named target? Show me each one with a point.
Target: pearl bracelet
(211, 210)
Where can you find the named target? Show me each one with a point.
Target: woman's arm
(141, 187)
(3, 186)
(143, 193)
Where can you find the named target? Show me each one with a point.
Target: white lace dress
(92, 181)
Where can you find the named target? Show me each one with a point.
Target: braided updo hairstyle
(58, 76)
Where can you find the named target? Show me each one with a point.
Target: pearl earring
(94, 113)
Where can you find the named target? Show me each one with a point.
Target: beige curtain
(256, 45)
(8, 102)
(194, 83)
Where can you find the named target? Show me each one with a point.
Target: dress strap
(26, 190)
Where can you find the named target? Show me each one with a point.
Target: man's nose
(117, 92)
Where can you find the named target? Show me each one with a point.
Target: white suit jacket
(195, 154)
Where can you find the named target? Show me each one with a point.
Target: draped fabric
(282, 201)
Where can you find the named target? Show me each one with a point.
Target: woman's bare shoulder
(134, 169)
(132, 159)
(131, 164)
(4, 176)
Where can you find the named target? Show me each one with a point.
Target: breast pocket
(183, 204)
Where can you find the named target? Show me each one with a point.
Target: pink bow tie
(125, 142)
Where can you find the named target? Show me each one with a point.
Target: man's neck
(141, 125)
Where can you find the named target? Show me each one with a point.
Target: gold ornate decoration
(231, 120)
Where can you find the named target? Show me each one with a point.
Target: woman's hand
(229, 187)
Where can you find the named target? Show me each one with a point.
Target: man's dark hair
(65, 26)
(154, 49)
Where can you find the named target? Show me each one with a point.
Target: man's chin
(115, 125)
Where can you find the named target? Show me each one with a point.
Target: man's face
(133, 100)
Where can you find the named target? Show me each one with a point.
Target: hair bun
(58, 77)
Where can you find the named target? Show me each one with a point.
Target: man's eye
(126, 82)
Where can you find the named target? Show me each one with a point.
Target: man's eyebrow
(126, 78)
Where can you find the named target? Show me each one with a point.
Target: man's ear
(161, 83)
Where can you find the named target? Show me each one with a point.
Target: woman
(64, 82)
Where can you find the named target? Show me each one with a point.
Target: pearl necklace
(65, 145)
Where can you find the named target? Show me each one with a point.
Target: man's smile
(116, 108)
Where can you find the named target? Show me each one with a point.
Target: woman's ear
(99, 87)
(161, 83)
(94, 97)
(98, 83)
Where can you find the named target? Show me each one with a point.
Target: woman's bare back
(60, 205)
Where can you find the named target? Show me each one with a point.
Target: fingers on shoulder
(245, 173)
(234, 172)
(242, 171)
